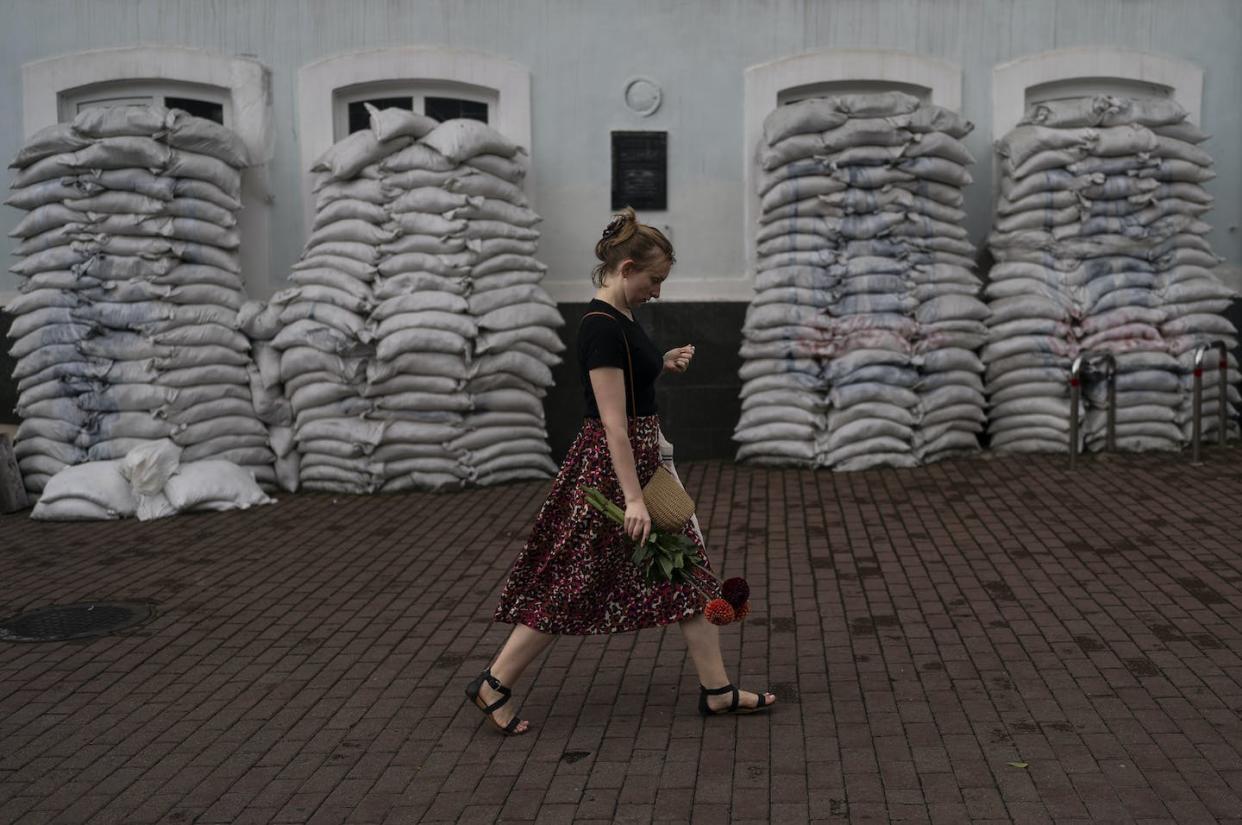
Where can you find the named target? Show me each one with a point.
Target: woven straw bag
(668, 503)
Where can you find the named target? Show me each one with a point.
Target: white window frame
(142, 93)
(431, 69)
(52, 84)
(831, 71)
(342, 98)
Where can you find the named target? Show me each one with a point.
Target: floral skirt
(575, 575)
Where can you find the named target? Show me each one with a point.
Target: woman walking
(575, 575)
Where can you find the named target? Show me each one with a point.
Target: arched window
(442, 101)
(233, 91)
(1090, 71)
(197, 99)
(833, 71)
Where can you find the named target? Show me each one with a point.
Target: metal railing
(1222, 403)
(1075, 382)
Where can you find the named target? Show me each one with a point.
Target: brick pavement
(923, 628)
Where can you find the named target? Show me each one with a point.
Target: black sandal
(472, 693)
(732, 708)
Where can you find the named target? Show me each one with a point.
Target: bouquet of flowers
(673, 557)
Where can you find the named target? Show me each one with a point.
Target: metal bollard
(1196, 413)
(1222, 401)
(1110, 437)
(1223, 404)
(1075, 382)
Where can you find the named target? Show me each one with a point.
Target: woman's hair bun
(624, 237)
(615, 229)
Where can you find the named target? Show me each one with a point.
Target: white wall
(580, 54)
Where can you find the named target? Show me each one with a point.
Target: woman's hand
(637, 521)
(678, 360)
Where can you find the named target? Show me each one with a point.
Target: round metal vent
(74, 621)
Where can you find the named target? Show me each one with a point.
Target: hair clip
(614, 226)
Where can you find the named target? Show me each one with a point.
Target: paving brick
(924, 628)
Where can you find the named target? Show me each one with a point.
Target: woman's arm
(608, 383)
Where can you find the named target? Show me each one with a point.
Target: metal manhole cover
(74, 621)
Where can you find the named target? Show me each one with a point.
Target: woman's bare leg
(521, 648)
(703, 642)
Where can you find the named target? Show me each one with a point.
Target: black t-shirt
(600, 344)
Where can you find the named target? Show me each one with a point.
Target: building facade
(564, 77)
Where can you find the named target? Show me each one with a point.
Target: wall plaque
(640, 170)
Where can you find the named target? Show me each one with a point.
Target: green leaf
(667, 567)
(1018, 764)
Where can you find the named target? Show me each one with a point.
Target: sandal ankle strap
(716, 691)
(495, 684)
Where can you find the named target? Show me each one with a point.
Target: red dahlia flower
(735, 591)
(718, 612)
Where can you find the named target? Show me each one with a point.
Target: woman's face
(642, 284)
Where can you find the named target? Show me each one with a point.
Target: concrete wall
(580, 55)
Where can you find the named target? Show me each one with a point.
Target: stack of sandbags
(259, 323)
(125, 331)
(865, 321)
(325, 343)
(505, 434)
(416, 223)
(1100, 249)
(950, 316)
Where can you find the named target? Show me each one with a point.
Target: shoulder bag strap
(628, 361)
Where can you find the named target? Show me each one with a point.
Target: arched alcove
(833, 71)
(324, 84)
(52, 87)
(1087, 71)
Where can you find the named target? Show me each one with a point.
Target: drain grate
(74, 621)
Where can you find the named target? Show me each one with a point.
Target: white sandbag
(521, 315)
(346, 157)
(869, 461)
(213, 485)
(809, 116)
(39, 464)
(511, 169)
(427, 199)
(389, 124)
(51, 140)
(240, 449)
(350, 230)
(96, 490)
(148, 468)
(491, 209)
(419, 157)
(882, 444)
(799, 453)
(461, 139)
(50, 428)
(56, 450)
(482, 184)
(196, 134)
(422, 341)
(287, 470)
